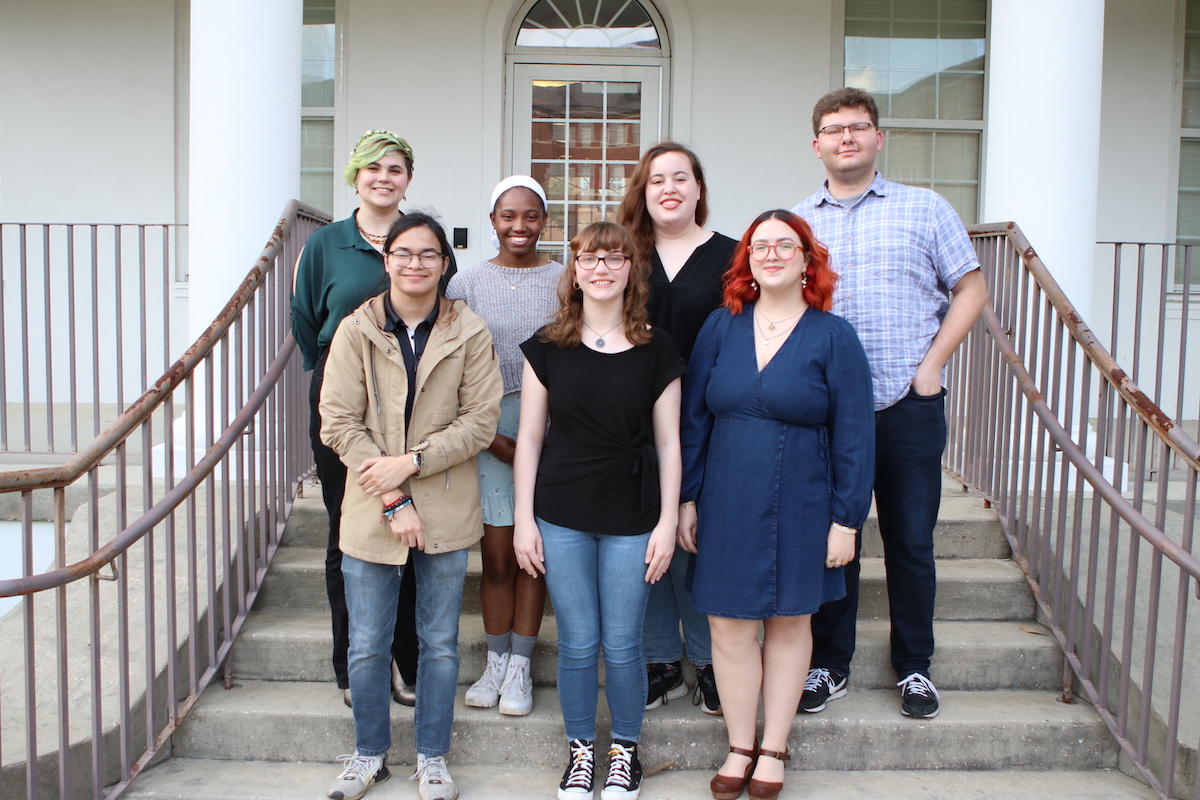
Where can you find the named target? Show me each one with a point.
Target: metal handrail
(242, 481)
(1030, 373)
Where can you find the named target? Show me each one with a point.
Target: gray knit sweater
(513, 302)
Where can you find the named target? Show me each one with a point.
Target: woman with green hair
(339, 268)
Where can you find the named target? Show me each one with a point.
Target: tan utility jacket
(455, 413)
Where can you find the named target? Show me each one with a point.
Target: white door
(579, 130)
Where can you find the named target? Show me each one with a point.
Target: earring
(577, 286)
(754, 285)
(804, 281)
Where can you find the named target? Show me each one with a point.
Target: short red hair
(740, 287)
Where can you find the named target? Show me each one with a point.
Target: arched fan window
(591, 24)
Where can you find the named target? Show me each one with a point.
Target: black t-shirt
(681, 306)
(599, 469)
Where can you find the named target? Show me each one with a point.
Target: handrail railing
(1050, 429)
(192, 560)
(73, 354)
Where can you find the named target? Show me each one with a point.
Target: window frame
(900, 124)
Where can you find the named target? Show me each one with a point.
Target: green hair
(373, 146)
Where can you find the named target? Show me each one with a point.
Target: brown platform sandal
(767, 790)
(726, 788)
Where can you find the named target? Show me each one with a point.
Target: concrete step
(965, 529)
(260, 721)
(199, 779)
(973, 655)
(968, 588)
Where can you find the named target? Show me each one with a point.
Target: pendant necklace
(600, 336)
(771, 325)
(512, 285)
(769, 340)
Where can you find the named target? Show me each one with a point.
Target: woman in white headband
(514, 293)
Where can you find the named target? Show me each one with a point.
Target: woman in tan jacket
(411, 394)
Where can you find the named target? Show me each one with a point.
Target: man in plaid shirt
(909, 283)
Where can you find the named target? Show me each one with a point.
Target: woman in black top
(665, 208)
(597, 494)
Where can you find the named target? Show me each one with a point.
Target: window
(317, 98)
(600, 24)
(923, 61)
(588, 87)
(1187, 219)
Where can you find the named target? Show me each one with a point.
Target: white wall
(87, 118)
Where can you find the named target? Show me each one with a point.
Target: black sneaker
(624, 772)
(918, 696)
(580, 772)
(665, 682)
(821, 686)
(706, 695)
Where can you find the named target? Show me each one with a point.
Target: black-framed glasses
(590, 261)
(427, 258)
(785, 251)
(855, 129)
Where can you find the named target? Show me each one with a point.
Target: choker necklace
(600, 336)
(771, 325)
(373, 238)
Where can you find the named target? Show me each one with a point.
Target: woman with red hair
(778, 454)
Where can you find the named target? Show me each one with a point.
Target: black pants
(909, 439)
(331, 472)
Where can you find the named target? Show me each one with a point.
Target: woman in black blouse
(597, 495)
(665, 208)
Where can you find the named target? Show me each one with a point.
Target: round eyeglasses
(590, 261)
(784, 251)
(857, 129)
(427, 259)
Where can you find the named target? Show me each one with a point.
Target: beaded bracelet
(394, 506)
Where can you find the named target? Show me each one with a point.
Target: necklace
(373, 238)
(512, 285)
(771, 325)
(600, 336)
(769, 340)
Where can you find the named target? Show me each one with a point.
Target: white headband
(512, 182)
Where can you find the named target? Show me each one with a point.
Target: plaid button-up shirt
(898, 251)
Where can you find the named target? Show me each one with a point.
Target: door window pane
(945, 161)
(317, 54)
(593, 141)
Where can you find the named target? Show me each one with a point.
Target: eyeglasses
(837, 130)
(590, 261)
(784, 251)
(429, 258)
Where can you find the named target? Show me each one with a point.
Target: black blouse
(599, 469)
(681, 306)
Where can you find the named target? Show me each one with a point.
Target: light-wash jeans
(598, 586)
(371, 595)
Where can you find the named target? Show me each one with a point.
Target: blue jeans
(598, 586)
(371, 594)
(671, 603)
(909, 439)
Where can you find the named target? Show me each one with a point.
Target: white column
(244, 161)
(1043, 148)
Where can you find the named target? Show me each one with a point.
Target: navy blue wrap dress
(772, 458)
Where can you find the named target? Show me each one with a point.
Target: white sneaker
(485, 692)
(434, 781)
(358, 774)
(516, 695)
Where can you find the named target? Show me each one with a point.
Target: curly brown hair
(566, 329)
(633, 214)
